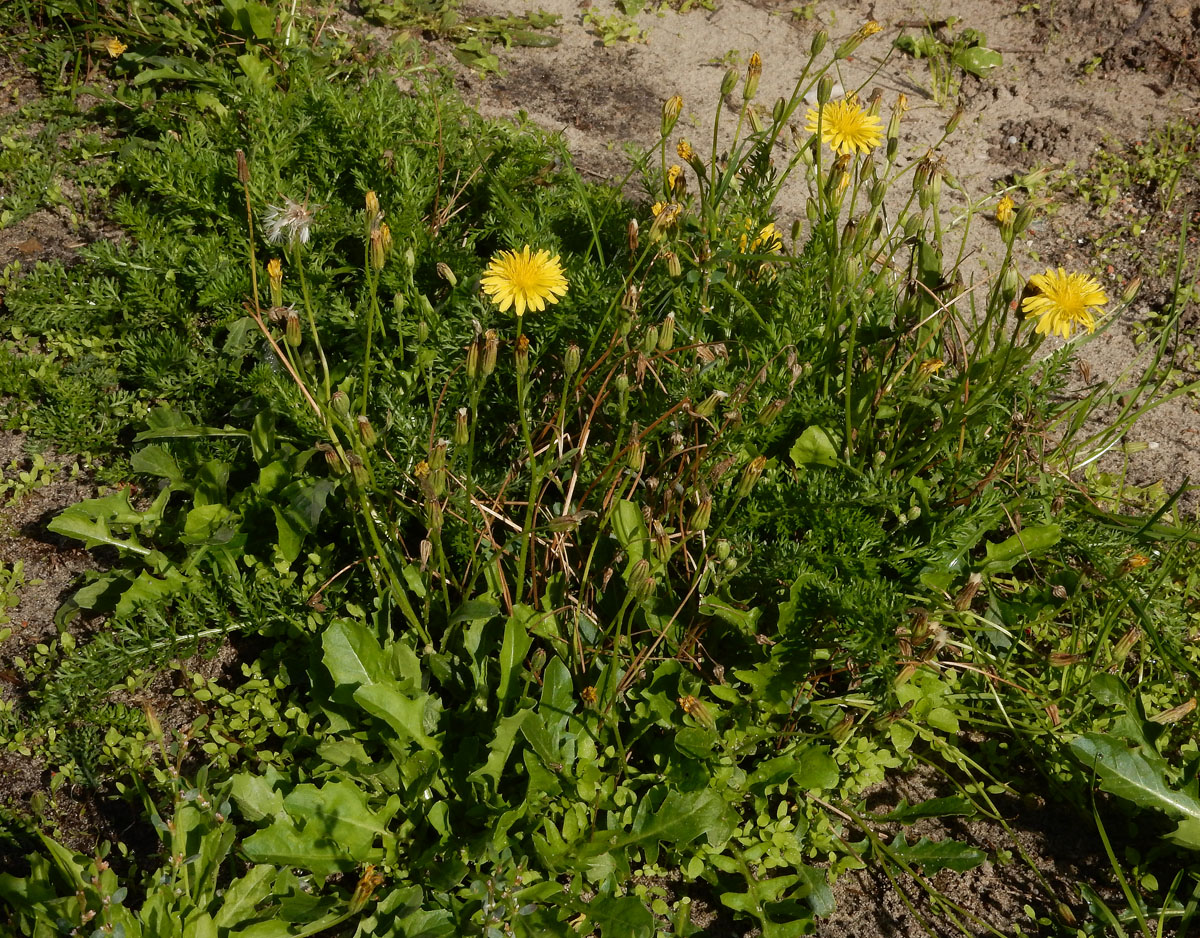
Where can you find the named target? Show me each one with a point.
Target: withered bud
(674, 268)
(474, 353)
(371, 201)
(462, 433)
(447, 274)
(750, 475)
(767, 415)
(753, 74)
(521, 355)
(292, 332)
(631, 232)
(491, 348)
(366, 432)
(629, 302)
(966, 595)
(243, 168)
(358, 470)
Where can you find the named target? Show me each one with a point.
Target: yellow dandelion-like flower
(1005, 211)
(931, 366)
(1063, 301)
(114, 47)
(589, 696)
(674, 176)
(685, 151)
(665, 213)
(846, 126)
(524, 280)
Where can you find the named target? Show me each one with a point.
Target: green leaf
(352, 654)
(932, 856)
(1135, 775)
(244, 895)
(256, 796)
(404, 714)
(621, 917)
(1027, 542)
(512, 652)
(950, 806)
(680, 819)
(154, 460)
(977, 60)
(501, 746)
(630, 528)
(814, 448)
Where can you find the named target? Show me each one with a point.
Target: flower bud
(434, 516)
(292, 333)
(426, 552)
(422, 331)
(701, 515)
(521, 354)
(709, 404)
(635, 458)
(721, 550)
(571, 360)
(670, 113)
(666, 335)
(378, 254)
(243, 168)
(650, 340)
(1010, 284)
(768, 414)
(755, 121)
(750, 475)
(674, 268)
(437, 456)
(462, 433)
(955, 120)
(334, 461)
(753, 74)
(819, 39)
(491, 349)
(621, 382)
(372, 204)
(538, 661)
(641, 583)
(729, 82)
(474, 351)
(1129, 294)
(631, 232)
(447, 274)
(366, 432)
(358, 470)
(1024, 218)
(340, 402)
(812, 211)
(824, 89)
(865, 31)
(275, 278)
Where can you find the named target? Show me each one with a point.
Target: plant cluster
(566, 543)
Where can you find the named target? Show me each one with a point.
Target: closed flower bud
(292, 332)
(666, 335)
(275, 279)
(358, 470)
(750, 475)
(491, 349)
(1010, 284)
(755, 121)
(474, 353)
(671, 110)
(753, 74)
(641, 583)
(447, 274)
(366, 432)
(1129, 294)
(629, 302)
(434, 516)
(1024, 218)
(768, 414)
(426, 552)
(865, 31)
(819, 40)
(622, 384)
(437, 455)
(340, 402)
(334, 461)
(878, 191)
(422, 331)
(778, 109)
(701, 515)
(538, 661)
(824, 89)
(378, 252)
(372, 204)
(462, 433)
(812, 211)
(674, 268)
(722, 549)
(729, 82)
(635, 458)
(650, 340)
(631, 232)
(955, 120)
(571, 360)
(521, 354)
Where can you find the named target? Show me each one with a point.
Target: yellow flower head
(275, 270)
(665, 213)
(589, 696)
(524, 280)
(674, 176)
(1063, 301)
(1005, 211)
(769, 240)
(684, 149)
(114, 47)
(846, 126)
(931, 366)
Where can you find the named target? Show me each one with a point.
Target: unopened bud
(631, 232)
(701, 515)
(437, 456)
(1010, 283)
(753, 74)
(722, 549)
(768, 414)
(641, 583)
(819, 39)
(1129, 294)
(538, 661)
(434, 516)
(372, 204)
(358, 470)
(377, 250)
(571, 360)
(824, 89)
(729, 82)
(666, 335)
(340, 402)
(334, 460)
(878, 192)
(670, 113)
(621, 382)
(650, 340)
(474, 351)
(1024, 218)
(447, 274)
(275, 279)
(635, 458)
(491, 349)
(462, 433)
(868, 29)
(955, 120)
(292, 333)
(750, 475)
(521, 354)
(674, 268)
(966, 595)
(422, 331)
(366, 432)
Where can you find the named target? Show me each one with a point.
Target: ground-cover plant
(588, 540)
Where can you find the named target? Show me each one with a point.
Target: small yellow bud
(753, 74)
(372, 204)
(670, 113)
(685, 151)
